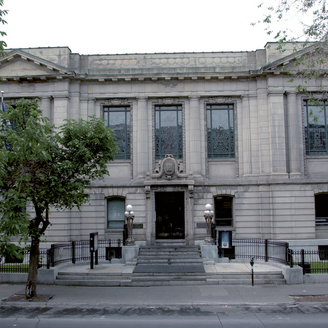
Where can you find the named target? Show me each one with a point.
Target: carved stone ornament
(219, 100)
(116, 102)
(167, 101)
(169, 168)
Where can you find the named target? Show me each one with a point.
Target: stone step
(225, 276)
(169, 248)
(174, 253)
(167, 283)
(245, 281)
(165, 263)
(94, 283)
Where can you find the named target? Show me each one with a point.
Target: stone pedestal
(210, 253)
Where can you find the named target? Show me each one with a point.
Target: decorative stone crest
(169, 168)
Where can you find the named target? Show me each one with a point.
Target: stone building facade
(225, 128)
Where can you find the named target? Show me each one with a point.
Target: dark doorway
(169, 208)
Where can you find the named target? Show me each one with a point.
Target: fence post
(52, 255)
(73, 252)
(286, 253)
(266, 250)
(291, 258)
(302, 260)
(48, 258)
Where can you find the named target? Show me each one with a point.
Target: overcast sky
(135, 26)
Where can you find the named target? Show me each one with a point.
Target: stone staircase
(173, 265)
(94, 279)
(167, 265)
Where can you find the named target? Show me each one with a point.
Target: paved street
(300, 316)
(182, 306)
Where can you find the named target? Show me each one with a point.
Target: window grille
(168, 131)
(220, 131)
(118, 119)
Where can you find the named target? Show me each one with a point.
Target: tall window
(316, 126)
(115, 213)
(321, 210)
(220, 131)
(168, 131)
(118, 119)
(223, 210)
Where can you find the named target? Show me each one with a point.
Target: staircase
(166, 265)
(174, 265)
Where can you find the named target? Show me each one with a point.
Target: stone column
(277, 134)
(46, 107)
(195, 164)
(143, 139)
(74, 104)
(246, 128)
(264, 129)
(91, 106)
(294, 136)
(60, 109)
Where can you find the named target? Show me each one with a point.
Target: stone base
(210, 253)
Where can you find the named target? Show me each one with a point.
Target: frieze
(116, 102)
(219, 100)
(167, 101)
(191, 60)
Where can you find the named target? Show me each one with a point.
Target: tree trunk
(30, 290)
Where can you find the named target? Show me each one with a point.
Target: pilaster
(195, 164)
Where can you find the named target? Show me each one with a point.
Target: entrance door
(169, 215)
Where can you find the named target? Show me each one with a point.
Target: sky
(135, 26)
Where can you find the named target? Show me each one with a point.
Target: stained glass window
(168, 131)
(220, 131)
(118, 119)
(315, 124)
(115, 213)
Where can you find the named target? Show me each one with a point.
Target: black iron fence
(78, 251)
(312, 261)
(259, 249)
(71, 252)
(20, 265)
(266, 250)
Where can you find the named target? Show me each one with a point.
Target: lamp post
(129, 216)
(208, 215)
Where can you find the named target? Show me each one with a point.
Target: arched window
(223, 210)
(321, 210)
(115, 213)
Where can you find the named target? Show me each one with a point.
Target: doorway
(170, 221)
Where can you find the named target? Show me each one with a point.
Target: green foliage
(3, 44)
(301, 26)
(46, 167)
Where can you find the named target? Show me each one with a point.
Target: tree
(301, 26)
(3, 44)
(47, 167)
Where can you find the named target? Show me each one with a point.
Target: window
(115, 213)
(321, 210)
(223, 210)
(315, 124)
(118, 119)
(220, 131)
(168, 131)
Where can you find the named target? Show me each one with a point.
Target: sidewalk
(186, 296)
